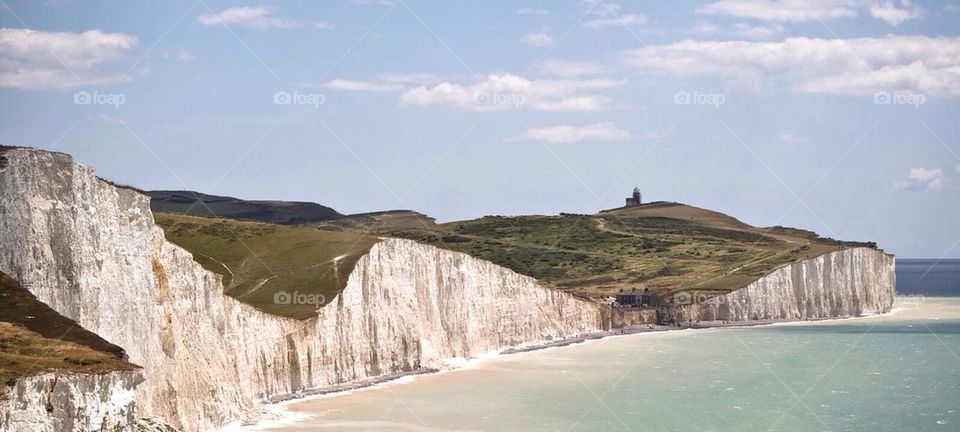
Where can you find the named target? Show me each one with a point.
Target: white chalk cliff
(846, 283)
(92, 252)
(52, 402)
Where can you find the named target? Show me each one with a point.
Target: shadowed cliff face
(92, 252)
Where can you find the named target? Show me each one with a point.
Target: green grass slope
(260, 262)
(378, 222)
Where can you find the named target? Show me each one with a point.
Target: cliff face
(91, 251)
(70, 402)
(846, 283)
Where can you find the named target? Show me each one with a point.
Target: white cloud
(537, 38)
(498, 92)
(921, 178)
(743, 30)
(890, 13)
(620, 20)
(796, 11)
(756, 31)
(782, 10)
(382, 83)
(74, 50)
(571, 69)
(607, 14)
(340, 84)
(958, 168)
(532, 11)
(255, 17)
(38, 60)
(409, 78)
(927, 65)
(495, 92)
(323, 25)
(572, 134)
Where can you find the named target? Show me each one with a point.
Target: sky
(838, 116)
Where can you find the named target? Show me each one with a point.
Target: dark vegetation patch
(812, 236)
(279, 212)
(34, 339)
(122, 186)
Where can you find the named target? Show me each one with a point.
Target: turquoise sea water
(898, 372)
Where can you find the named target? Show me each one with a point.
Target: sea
(895, 372)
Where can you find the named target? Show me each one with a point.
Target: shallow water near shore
(894, 372)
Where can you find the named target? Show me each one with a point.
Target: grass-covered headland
(666, 247)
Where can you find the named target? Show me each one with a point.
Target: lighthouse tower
(636, 199)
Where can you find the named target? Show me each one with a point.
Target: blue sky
(838, 116)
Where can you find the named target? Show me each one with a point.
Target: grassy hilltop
(200, 204)
(664, 246)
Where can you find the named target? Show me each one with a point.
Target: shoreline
(347, 387)
(658, 328)
(277, 406)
